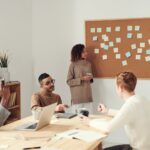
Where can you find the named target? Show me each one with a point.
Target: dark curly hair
(43, 76)
(76, 52)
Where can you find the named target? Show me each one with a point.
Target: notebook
(44, 119)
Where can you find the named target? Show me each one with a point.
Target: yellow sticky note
(108, 29)
(94, 38)
(106, 38)
(115, 49)
(118, 40)
(147, 58)
(138, 57)
(99, 30)
(139, 50)
(118, 56)
(111, 44)
(96, 50)
(92, 30)
(129, 28)
(104, 57)
(142, 44)
(102, 45)
(133, 46)
(117, 29)
(139, 35)
(124, 63)
(137, 28)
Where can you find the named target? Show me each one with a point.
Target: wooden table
(17, 140)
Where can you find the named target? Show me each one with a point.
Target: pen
(37, 147)
(72, 133)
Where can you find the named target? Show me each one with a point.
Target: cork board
(119, 45)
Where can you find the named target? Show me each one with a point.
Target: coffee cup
(90, 74)
(84, 112)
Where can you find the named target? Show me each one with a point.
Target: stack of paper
(84, 135)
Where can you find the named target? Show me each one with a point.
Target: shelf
(11, 83)
(14, 101)
(13, 107)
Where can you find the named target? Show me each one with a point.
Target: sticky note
(108, 29)
(92, 30)
(99, 30)
(124, 63)
(149, 41)
(94, 38)
(106, 38)
(115, 49)
(128, 54)
(102, 45)
(133, 46)
(106, 47)
(104, 57)
(139, 35)
(129, 35)
(129, 28)
(142, 44)
(117, 29)
(118, 40)
(139, 50)
(96, 50)
(118, 56)
(137, 28)
(147, 58)
(111, 44)
(148, 52)
(138, 57)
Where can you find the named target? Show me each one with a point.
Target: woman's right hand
(102, 108)
(86, 78)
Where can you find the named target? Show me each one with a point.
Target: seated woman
(134, 115)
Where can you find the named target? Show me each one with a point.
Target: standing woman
(79, 79)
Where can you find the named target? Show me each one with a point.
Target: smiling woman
(80, 78)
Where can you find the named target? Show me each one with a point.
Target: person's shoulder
(36, 94)
(55, 95)
(72, 64)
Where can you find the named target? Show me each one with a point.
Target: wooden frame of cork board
(119, 45)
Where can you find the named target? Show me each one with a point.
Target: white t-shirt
(135, 117)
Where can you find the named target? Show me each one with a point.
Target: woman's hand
(86, 78)
(102, 108)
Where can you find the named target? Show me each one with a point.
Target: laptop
(44, 120)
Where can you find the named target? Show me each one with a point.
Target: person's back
(138, 128)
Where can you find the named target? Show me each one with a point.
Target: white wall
(15, 35)
(58, 25)
(53, 34)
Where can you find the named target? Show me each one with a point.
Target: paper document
(87, 136)
(99, 124)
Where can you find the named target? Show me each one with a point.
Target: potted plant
(4, 66)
